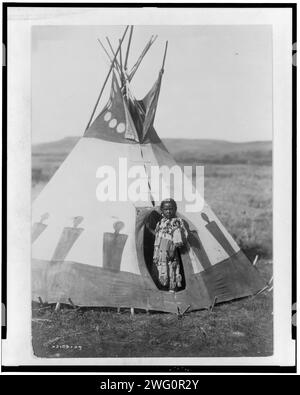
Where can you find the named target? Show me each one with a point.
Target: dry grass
(241, 196)
(238, 328)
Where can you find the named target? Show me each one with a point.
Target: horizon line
(165, 138)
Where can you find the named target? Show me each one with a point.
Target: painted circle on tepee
(107, 116)
(113, 123)
(121, 127)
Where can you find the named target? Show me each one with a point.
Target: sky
(217, 82)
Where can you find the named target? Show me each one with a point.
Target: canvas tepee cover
(96, 253)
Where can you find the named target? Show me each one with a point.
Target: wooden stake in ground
(71, 303)
(255, 260)
(213, 304)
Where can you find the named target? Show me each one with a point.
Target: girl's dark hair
(170, 200)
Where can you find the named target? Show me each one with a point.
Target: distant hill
(220, 151)
(47, 157)
(58, 147)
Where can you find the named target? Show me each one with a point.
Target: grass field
(241, 195)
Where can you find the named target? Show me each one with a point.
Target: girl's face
(168, 210)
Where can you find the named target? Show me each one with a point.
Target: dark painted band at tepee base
(99, 253)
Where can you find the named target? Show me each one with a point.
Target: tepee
(99, 253)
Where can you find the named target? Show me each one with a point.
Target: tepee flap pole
(122, 69)
(106, 79)
(113, 52)
(140, 58)
(138, 62)
(128, 46)
(121, 63)
(165, 54)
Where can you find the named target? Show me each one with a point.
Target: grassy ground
(241, 196)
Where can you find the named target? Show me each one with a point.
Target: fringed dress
(169, 235)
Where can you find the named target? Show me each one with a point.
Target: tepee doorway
(148, 248)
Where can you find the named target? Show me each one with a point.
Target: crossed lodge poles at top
(121, 67)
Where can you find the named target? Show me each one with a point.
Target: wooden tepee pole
(104, 49)
(128, 46)
(106, 79)
(165, 54)
(111, 48)
(108, 55)
(121, 63)
(113, 53)
(141, 57)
